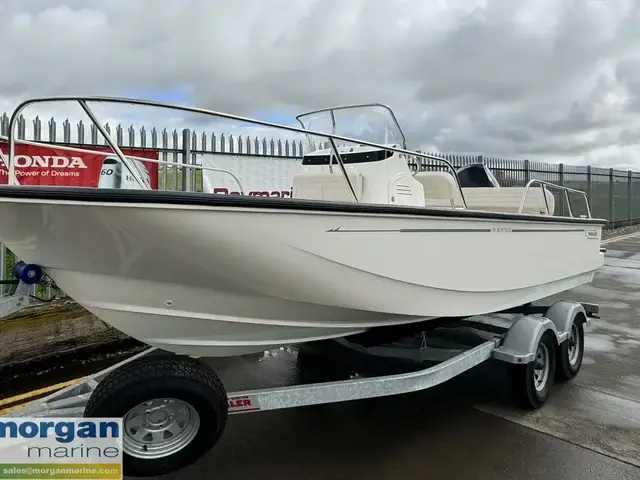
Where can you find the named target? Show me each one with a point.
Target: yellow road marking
(35, 393)
(38, 392)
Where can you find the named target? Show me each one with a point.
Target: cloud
(548, 80)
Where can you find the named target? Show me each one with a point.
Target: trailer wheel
(533, 381)
(173, 411)
(570, 352)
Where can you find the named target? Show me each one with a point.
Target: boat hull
(213, 280)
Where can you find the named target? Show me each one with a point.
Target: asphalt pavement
(465, 429)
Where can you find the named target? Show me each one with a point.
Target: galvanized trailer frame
(15, 301)
(518, 344)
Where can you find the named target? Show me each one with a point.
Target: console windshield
(370, 123)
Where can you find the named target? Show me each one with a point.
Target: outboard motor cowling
(476, 175)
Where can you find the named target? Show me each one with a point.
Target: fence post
(561, 183)
(194, 161)
(630, 197)
(4, 130)
(589, 188)
(4, 124)
(527, 172)
(611, 200)
(186, 160)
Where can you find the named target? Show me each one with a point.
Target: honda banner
(55, 166)
(260, 175)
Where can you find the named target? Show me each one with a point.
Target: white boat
(219, 275)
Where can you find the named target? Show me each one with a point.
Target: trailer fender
(564, 313)
(521, 340)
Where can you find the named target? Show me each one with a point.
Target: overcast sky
(546, 79)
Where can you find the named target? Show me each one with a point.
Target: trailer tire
(533, 381)
(182, 389)
(571, 351)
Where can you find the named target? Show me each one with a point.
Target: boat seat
(441, 191)
(326, 186)
(507, 199)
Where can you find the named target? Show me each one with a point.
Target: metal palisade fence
(613, 194)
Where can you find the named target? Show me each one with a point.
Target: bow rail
(128, 160)
(84, 101)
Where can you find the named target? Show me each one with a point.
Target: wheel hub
(157, 418)
(159, 427)
(541, 367)
(573, 350)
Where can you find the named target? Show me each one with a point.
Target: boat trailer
(175, 408)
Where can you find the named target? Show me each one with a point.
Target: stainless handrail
(82, 100)
(545, 184)
(109, 140)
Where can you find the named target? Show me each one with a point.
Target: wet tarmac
(467, 428)
(33, 376)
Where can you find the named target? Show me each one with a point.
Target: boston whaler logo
(591, 233)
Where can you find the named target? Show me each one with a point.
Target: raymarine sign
(260, 175)
(33, 448)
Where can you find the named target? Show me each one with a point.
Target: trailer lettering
(239, 402)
